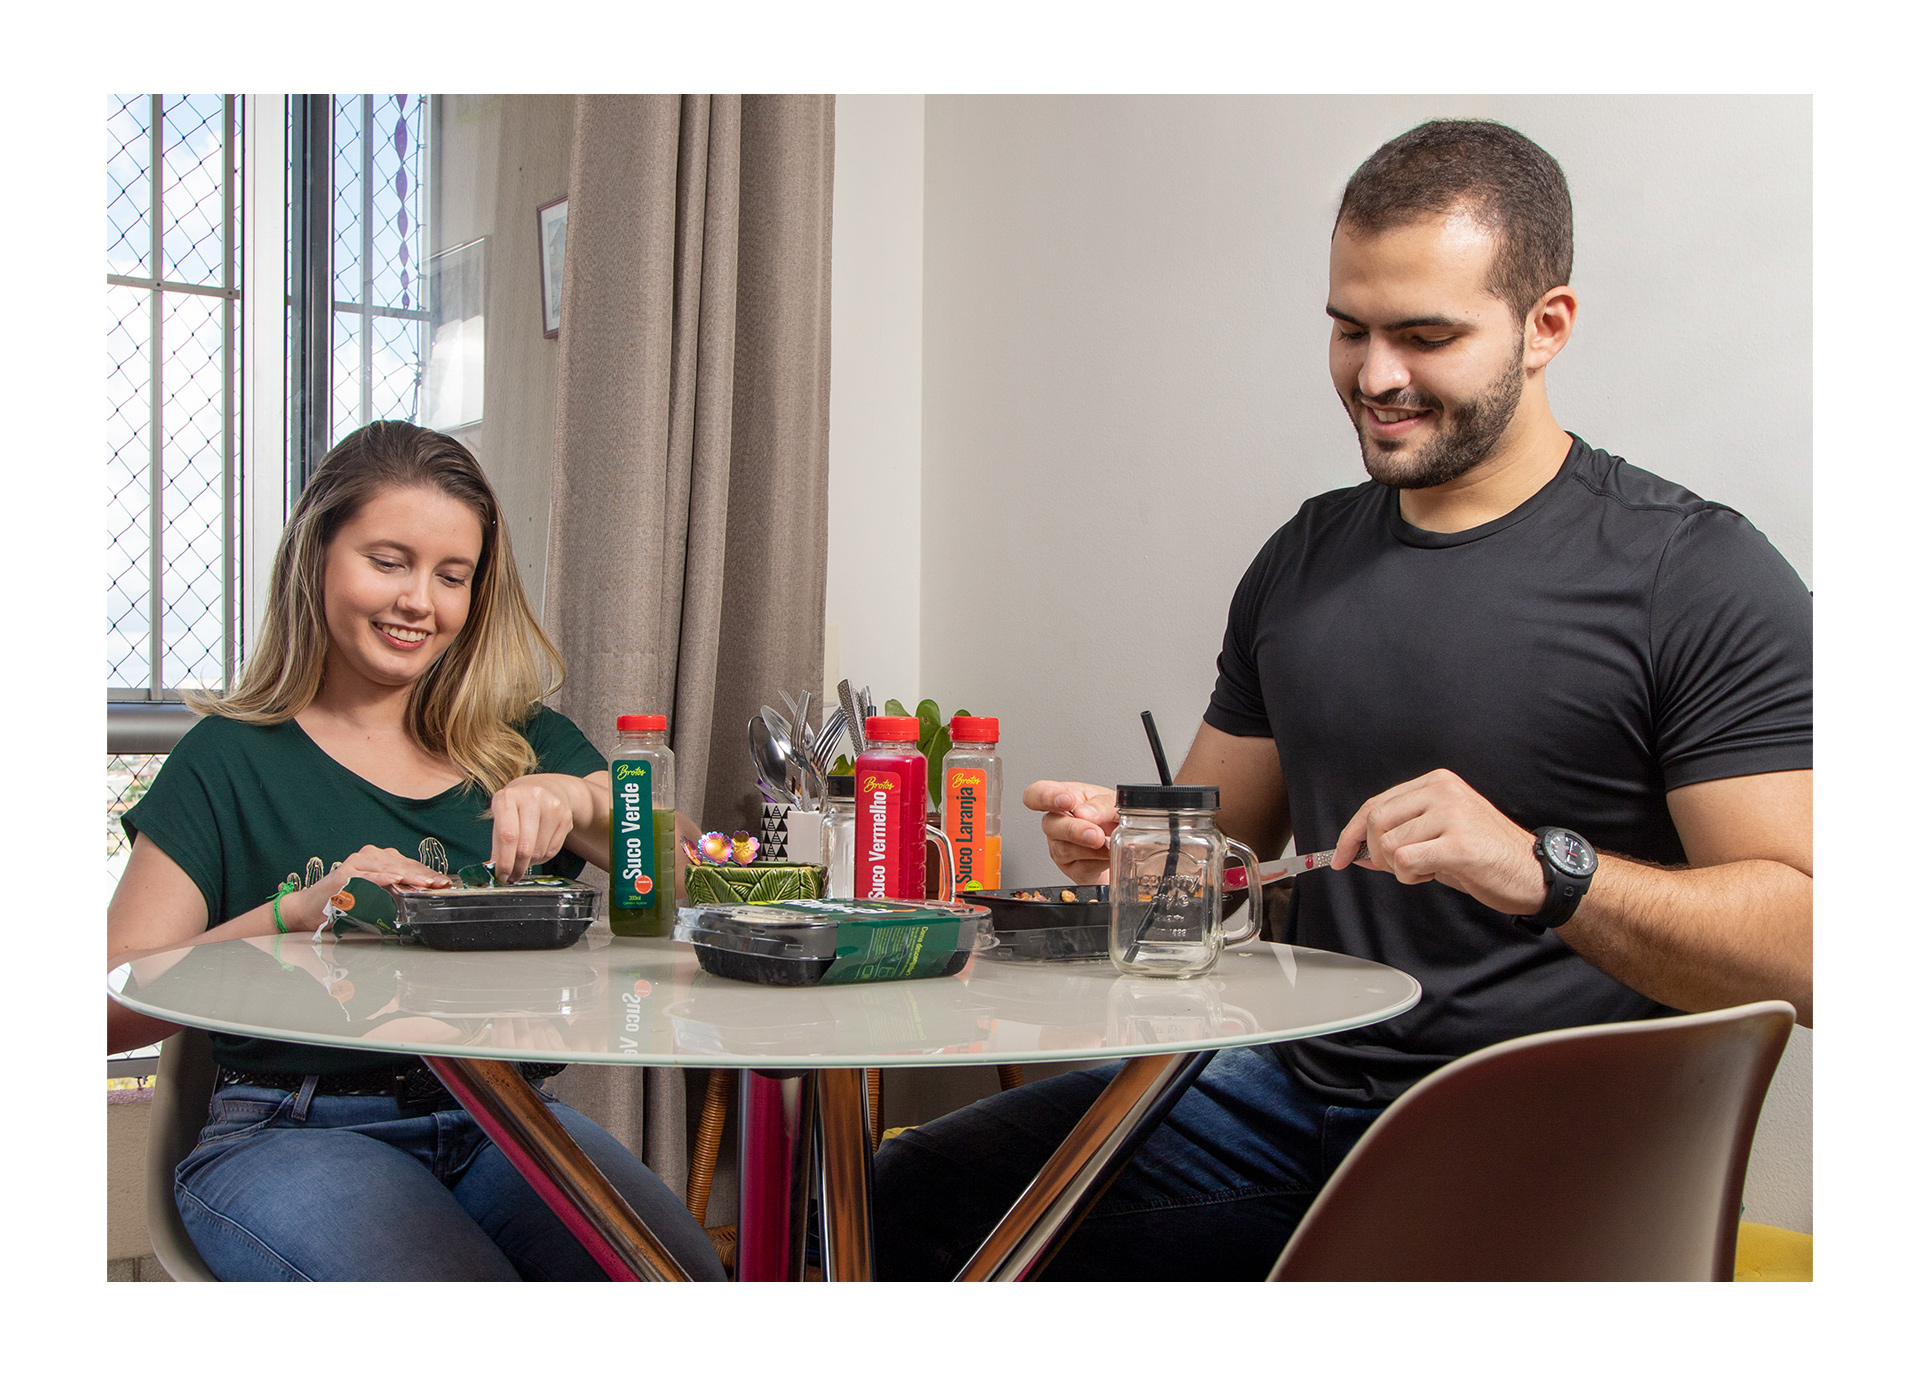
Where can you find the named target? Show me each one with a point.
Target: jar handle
(1256, 910)
(946, 861)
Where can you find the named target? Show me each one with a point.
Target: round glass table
(802, 1053)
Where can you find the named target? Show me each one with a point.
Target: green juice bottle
(640, 887)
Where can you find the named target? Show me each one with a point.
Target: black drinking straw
(1159, 755)
(1173, 848)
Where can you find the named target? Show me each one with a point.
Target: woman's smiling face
(399, 584)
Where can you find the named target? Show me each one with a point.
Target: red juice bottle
(890, 811)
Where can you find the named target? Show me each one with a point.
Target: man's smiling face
(1426, 360)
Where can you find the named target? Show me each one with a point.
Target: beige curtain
(687, 563)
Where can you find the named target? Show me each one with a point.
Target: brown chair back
(1616, 1152)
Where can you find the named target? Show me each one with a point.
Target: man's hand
(1079, 819)
(1436, 827)
(1735, 926)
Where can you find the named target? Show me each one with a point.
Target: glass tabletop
(616, 1000)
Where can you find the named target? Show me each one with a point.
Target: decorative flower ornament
(717, 848)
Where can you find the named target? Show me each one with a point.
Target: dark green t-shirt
(241, 807)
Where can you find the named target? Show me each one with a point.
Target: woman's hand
(532, 818)
(305, 909)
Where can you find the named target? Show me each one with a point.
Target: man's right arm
(1253, 803)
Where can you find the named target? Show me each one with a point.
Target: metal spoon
(783, 738)
(801, 740)
(770, 760)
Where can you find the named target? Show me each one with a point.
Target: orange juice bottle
(970, 797)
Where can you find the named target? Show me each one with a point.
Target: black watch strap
(1565, 886)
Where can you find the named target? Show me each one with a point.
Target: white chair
(1616, 1152)
(181, 1088)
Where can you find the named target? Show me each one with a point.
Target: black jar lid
(1169, 797)
(839, 785)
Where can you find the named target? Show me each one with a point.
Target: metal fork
(828, 737)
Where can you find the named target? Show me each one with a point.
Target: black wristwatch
(1568, 861)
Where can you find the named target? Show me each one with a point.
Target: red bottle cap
(974, 729)
(643, 721)
(893, 729)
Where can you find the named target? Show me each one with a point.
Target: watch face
(1569, 852)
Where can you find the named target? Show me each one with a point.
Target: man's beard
(1467, 436)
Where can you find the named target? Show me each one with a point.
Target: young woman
(393, 694)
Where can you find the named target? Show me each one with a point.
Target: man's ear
(1549, 326)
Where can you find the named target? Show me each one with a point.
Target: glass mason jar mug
(1166, 884)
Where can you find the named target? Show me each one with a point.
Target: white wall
(873, 420)
(1123, 386)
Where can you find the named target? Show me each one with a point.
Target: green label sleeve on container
(892, 948)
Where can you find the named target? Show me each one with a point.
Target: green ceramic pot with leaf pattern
(774, 883)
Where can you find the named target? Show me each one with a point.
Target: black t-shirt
(241, 807)
(1610, 639)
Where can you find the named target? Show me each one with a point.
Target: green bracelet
(279, 894)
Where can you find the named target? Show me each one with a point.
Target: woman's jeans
(289, 1186)
(1213, 1194)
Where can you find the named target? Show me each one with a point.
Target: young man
(1566, 704)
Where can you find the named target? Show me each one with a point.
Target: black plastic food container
(532, 917)
(835, 941)
(1048, 928)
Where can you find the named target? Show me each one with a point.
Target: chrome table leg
(521, 1125)
(846, 1176)
(1080, 1169)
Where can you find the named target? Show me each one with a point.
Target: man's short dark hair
(1498, 175)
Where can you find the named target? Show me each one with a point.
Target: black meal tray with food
(514, 917)
(1044, 924)
(836, 941)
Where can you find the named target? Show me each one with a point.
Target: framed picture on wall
(553, 255)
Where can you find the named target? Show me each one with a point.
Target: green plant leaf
(893, 707)
(841, 765)
(929, 714)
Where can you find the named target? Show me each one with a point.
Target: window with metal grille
(378, 240)
(173, 290)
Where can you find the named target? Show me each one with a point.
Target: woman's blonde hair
(469, 702)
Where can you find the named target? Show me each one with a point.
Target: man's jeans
(344, 1188)
(1213, 1194)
